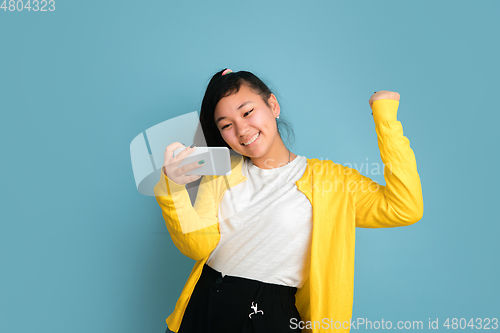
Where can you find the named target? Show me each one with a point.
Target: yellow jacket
(341, 199)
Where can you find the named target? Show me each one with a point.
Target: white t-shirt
(266, 225)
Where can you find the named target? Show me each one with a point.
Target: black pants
(232, 304)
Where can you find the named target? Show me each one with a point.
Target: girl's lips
(258, 138)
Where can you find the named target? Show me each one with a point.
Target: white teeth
(254, 138)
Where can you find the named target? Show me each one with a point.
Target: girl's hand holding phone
(170, 164)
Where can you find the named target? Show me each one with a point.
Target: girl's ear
(275, 106)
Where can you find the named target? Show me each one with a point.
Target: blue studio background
(83, 251)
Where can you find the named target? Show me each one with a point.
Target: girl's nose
(242, 129)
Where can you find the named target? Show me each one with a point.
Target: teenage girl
(260, 264)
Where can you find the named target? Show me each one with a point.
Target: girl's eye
(230, 124)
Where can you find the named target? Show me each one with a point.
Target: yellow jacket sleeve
(194, 230)
(400, 201)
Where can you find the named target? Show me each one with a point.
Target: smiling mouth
(252, 140)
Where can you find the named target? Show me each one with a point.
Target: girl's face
(243, 116)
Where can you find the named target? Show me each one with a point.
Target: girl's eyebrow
(242, 105)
